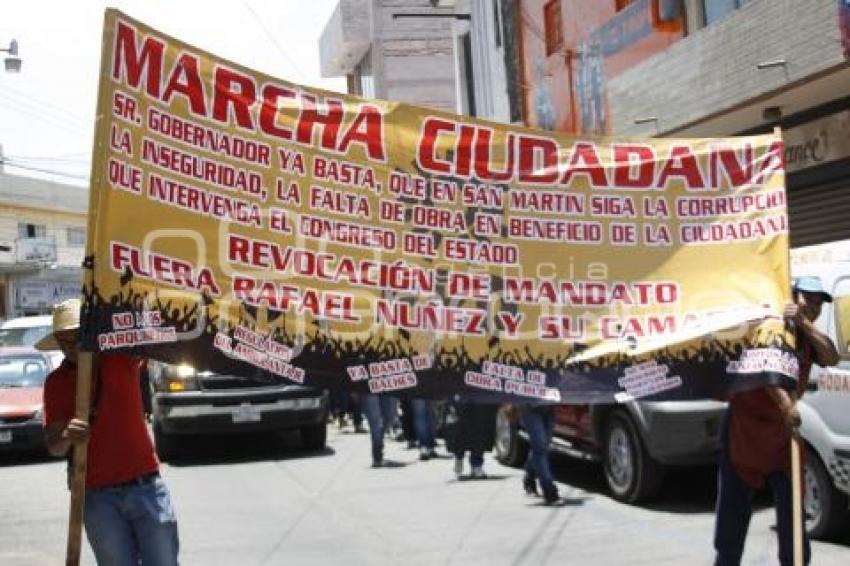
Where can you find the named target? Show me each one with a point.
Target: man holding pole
(757, 439)
(128, 515)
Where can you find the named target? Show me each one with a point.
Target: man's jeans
(538, 423)
(734, 509)
(381, 412)
(126, 525)
(423, 423)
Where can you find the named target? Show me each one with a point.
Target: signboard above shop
(35, 250)
(817, 142)
(43, 294)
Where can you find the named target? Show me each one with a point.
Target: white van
(26, 331)
(825, 409)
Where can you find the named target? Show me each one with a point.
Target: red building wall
(564, 90)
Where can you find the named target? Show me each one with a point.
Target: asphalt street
(263, 501)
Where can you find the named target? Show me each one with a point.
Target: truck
(825, 408)
(185, 402)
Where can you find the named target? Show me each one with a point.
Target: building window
(717, 9)
(468, 74)
(26, 230)
(76, 236)
(552, 23)
(362, 82)
(497, 23)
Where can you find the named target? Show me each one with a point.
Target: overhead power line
(301, 75)
(48, 158)
(46, 106)
(12, 164)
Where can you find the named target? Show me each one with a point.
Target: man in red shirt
(757, 437)
(128, 515)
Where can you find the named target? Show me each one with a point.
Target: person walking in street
(756, 438)
(344, 403)
(128, 515)
(423, 424)
(539, 421)
(408, 430)
(470, 427)
(381, 413)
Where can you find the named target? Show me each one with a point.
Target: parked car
(26, 331)
(186, 402)
(824, 409)
(635, 441)
(22, 374)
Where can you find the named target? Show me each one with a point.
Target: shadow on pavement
(27, 458)
(468, 477)
(561, 502)
(689, 490)
(685, 490)
(390, 464)
(581, 474)
(238, 449)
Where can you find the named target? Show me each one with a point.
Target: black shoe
(530, 486)
(550, 495)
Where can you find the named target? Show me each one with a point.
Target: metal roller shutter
(819, 213)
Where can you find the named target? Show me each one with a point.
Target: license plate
(246, 414)
(5, 436)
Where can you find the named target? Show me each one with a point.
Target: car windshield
(22, 371)
(23, 336)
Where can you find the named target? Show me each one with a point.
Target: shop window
(497, 23)
(26, 230)
(667, 15)
(718, 9)
(468, 74)
(365, 79)
(361, 81)
(552, 25)
(76, 236)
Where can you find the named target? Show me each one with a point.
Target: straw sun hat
(66, 316)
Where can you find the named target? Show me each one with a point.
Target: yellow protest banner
(239, 221)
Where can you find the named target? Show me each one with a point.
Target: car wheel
(632, 475)
(510, 448)
(314, 437)
(825, 505)
(166, 444)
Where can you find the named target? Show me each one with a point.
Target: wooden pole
(78, 473)
(796, 494)
(796, 499)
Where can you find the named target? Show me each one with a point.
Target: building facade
(42, 243)
(393, 50)
(677, 68)
(703, 68)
